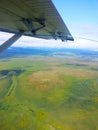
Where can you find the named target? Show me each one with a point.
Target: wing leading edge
(36, 18)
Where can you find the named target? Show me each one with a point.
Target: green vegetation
(48, 93)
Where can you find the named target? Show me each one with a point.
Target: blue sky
(80, 16)
(78, 11)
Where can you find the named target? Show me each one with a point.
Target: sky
(80, 16)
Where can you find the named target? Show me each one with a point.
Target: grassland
(48, 93)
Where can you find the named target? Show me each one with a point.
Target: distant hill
(20, 51)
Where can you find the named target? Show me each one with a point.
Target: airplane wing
(36, 18)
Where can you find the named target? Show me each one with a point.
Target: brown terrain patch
(50, 78)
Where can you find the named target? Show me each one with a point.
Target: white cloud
(86, 44)
(34, 42)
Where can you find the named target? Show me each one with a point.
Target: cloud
(25, 41)
(86, 44)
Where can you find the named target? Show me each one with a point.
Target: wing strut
(10, 41)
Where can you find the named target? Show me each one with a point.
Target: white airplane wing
(36, 18)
